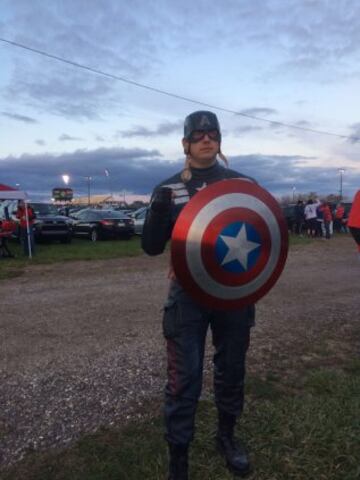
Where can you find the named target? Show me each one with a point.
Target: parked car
(124, 211)
(73, 211)
(100, 224)
(139, 219)
(49, 225)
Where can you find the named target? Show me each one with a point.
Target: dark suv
(49, 225)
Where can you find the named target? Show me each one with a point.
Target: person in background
(344, 221)
(339, 217)
(7, 227)
(320, 230)
(325, 211)
(22, 212)
(354, 220)
(299, 217)
(311, 217)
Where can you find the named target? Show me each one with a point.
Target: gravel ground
(81, 342)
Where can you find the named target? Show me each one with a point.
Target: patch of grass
(263, 388)
(78, 249)
(296, 240)
(312, 436)
(328, 382)
(353, 366)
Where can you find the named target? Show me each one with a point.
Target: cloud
(131, 42)
(40, 142)
(247, 129)
(258, 111)
(115, 40)
(68, 138)
(304, 123)
(139, 170)
(355, 133)
(134, 170)
(280, 173)
(73, 95)
(19, 118)
(165, 128)
(313, 38)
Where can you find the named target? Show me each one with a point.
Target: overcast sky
(294, 61)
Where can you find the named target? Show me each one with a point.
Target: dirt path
(81, 342)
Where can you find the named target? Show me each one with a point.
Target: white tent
(11, 193)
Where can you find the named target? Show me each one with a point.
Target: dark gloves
(161, 202)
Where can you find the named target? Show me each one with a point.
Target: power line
(174, 95)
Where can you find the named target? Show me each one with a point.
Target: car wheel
(94, 236)
(127, 236)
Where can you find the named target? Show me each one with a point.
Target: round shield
(229, 244)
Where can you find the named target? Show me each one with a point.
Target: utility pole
(341, 171)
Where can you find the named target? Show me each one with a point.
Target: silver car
(139, 219)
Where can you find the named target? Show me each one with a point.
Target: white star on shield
(239, 247)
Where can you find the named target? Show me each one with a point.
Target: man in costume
(185, 321)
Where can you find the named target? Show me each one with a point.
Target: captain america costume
(185, 322)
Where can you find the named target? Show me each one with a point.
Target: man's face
(203, 151)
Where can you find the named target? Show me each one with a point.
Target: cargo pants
(185, 325)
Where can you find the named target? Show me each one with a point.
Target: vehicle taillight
(106, 222)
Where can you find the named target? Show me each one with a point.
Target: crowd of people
(320, 219)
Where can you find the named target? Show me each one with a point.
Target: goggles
(198, 135)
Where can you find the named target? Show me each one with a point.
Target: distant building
(120, 200)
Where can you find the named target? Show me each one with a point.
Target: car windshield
(140, 213)
(44, 209)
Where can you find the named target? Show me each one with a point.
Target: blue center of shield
(237, 248)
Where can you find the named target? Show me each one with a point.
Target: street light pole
(341, 171)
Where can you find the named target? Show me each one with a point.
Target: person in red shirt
(327, 218)
(354, 220)
(6, 229)
(339, 217)
(26, 237)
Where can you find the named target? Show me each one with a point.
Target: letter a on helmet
(202, 120)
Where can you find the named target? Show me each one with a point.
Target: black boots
(178, 466)
(235, 454)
